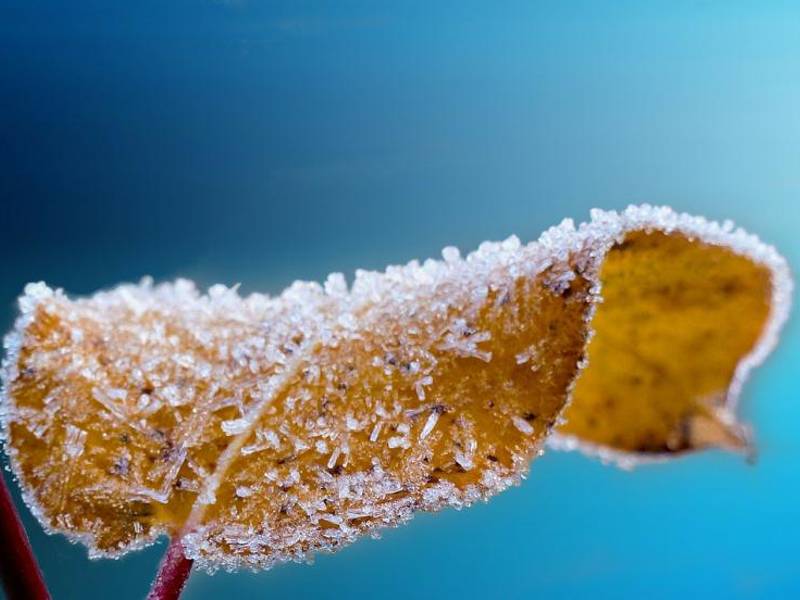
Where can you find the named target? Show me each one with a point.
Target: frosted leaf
(265, 429)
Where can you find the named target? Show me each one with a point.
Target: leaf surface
(677, 318)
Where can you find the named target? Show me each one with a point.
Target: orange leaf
(262, 429)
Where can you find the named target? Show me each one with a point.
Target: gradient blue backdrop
(256, 142)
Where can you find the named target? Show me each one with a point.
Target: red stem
(22, 579)
(172, 573)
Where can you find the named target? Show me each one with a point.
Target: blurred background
(254, 142)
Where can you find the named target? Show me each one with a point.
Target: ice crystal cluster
(264, 429)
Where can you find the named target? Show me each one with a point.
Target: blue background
(264, 142)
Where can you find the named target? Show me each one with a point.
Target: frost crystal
(522, 425)
(74, 442)
(429, 425)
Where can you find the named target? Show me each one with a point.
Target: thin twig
(22, 579)
(172, 573)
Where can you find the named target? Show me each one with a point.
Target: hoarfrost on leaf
(290, 424)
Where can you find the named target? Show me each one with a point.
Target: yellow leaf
(263, 429)
(683, 319)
